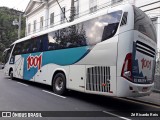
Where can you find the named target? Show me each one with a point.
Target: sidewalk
(154, 98)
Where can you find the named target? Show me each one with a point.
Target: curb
(156, 91)
(146, 102)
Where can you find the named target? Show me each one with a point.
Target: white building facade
(43, 14)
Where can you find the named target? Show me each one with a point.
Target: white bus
(111, 52)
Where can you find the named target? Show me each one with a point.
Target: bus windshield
(143, 24)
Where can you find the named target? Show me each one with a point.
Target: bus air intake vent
(124, 19)
(145, 49)
(98, 79)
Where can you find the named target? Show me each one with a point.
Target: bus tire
(11, 75)
(59, 84)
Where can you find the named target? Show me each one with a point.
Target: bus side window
(29, 46)
(38, 45)
(80, 37)
(22, 50)
(52, 41)
(45, 42)
(21, 44)
(24, 47)
(40, 41)
(70, 37)
(34, 49)
(35, 46)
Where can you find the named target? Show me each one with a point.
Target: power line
(149, 4)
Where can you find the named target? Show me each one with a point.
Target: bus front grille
(98, 79)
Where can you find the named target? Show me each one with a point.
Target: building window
(34, 25)
(29, 28)
(116, 1)
(41, 22)
(63, 15)
(93, 5)
(52, 18)
(76, 5)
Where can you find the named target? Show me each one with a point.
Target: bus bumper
(126, 88)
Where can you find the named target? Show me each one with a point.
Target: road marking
(116, 115)
(22, 83)
(138, 102)
(53, 94)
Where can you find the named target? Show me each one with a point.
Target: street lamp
(15, 22)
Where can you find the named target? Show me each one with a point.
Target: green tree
(8, 32)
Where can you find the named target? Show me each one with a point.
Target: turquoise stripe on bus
(65, 56)
(61, 57)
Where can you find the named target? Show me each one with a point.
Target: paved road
(0, 66)
(18, 95)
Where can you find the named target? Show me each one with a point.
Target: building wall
(36, 17)
(54, 7)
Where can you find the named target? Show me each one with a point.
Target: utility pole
(62, 10)
(72, 14)
(15, 22)
(19, 26)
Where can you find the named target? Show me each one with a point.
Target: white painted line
(53, 94)
(22, 83)
(139, 102)
(116, 115)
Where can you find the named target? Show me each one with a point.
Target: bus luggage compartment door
(77, 77)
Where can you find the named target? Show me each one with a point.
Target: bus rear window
(143, 24)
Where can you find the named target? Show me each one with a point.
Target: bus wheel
(59, 83)
(11, 74)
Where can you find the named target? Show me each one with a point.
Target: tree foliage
(9, 32)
